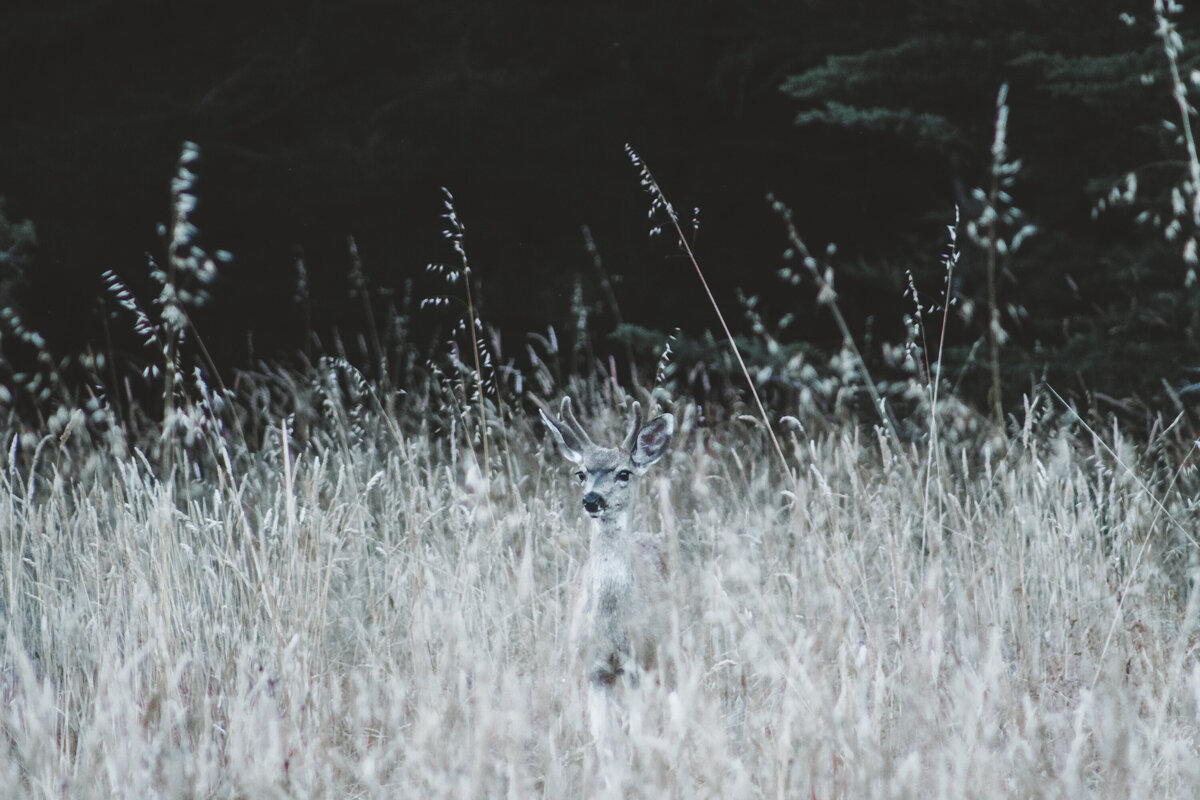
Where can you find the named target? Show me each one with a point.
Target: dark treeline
(327, 119)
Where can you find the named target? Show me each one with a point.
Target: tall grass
(345, 613)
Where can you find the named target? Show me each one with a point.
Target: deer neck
(611, 565)
(610, 537)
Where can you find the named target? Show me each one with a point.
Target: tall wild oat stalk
(1188, 203)
(999, 231)
(827, 296)
(455, 231)
(659, 202)
(183, 284)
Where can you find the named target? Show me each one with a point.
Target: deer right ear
(568, 443)
(652, 440)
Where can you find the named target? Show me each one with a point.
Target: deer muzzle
(594, 503)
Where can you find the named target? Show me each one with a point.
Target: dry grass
(365, 616)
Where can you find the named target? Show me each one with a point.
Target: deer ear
(568, 443)
(653, 440)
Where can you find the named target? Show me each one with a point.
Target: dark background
(333, 118)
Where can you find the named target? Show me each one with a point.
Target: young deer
(618, 614)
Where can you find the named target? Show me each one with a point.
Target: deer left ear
(652, 441)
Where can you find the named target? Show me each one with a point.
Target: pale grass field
(362, 616)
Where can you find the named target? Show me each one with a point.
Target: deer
(617, 622)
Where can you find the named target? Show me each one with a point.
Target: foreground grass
(366, 616)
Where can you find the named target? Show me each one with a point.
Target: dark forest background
(322, 120)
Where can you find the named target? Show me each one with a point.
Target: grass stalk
(660, 202)
(992, 241)
(827, 296)
(479, 383)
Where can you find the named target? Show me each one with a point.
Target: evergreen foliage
(1100, 299)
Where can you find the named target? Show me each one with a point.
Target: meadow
(353, 581)
(351, 608)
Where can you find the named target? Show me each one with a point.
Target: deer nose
(593, 503)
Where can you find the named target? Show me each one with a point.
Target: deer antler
(635, 425)
(572, 423)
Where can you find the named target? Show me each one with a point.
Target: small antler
(572, 423)
(635, 425)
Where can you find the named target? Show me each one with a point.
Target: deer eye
(624, 475)
(581, 476)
